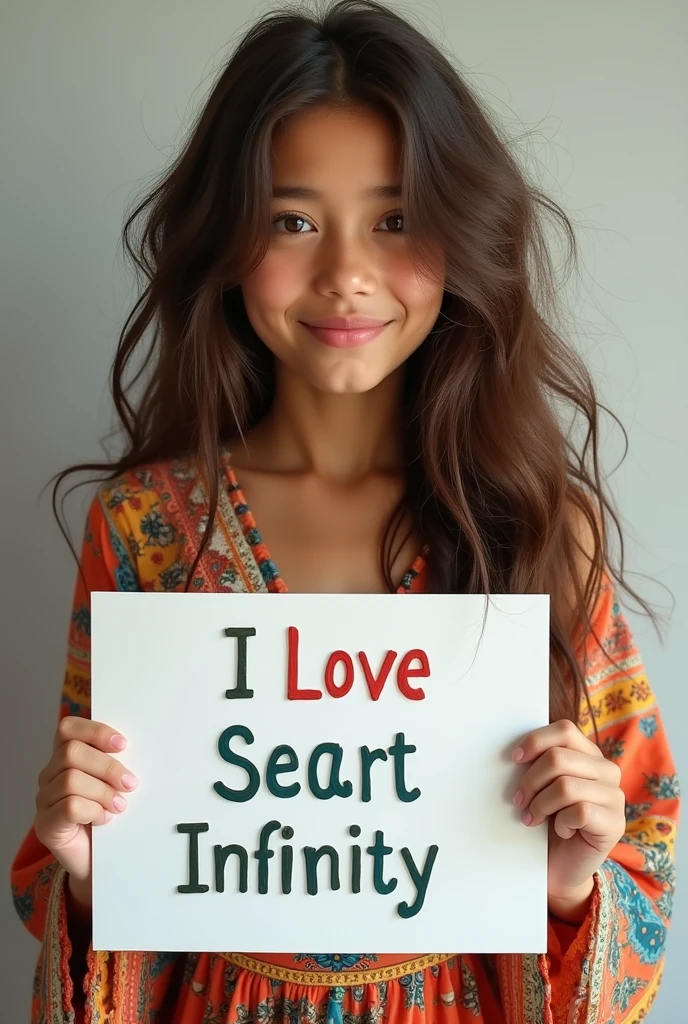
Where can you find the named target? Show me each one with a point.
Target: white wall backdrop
(95, 97)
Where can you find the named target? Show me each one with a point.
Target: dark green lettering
(368, 758)
(419, 879)
(274, 769)
(354, 832)
(287, 859)
(240, 633)
(378, 852)
(335, 787)
(312, 857)
(221, 855)
(193, 830)
(398, 750)
(263, 854)
(237, 795)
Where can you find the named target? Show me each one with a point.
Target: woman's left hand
(573, 784)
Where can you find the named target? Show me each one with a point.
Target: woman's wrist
(572, 907)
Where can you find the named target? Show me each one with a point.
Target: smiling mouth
(353, 338)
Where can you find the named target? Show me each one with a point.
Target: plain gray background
(95, 98)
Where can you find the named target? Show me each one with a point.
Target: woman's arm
(57, 914)
(609, 967)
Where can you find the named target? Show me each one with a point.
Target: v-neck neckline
(254, 538)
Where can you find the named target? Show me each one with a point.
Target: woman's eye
(294, 217)
(396, 217)
(291, 217)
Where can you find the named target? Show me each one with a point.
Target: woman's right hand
(82, 785)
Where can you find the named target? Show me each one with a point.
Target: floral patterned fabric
(142, 533)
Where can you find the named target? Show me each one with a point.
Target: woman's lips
(337, 338)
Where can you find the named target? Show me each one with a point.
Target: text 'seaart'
(320, 771)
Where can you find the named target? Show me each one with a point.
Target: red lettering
(341, 689)
(404, 672)
(375, 684)
(293, 692)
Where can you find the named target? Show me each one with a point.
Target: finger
(563, 733)
(73, 810)
(602, 828)
(74, 782)
(77, 754)
(559, 761)
(566, 791)
(96, 734)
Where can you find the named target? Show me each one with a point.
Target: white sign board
(320, 772)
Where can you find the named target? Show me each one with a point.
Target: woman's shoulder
(148, 481)
(153, 512)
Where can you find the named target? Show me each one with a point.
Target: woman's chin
(349, 380)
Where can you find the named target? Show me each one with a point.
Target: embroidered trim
(329, 978)
(54, 965)
(533, 992)
(241, 572)
(268, 570)
(417, 567)
(600, 928)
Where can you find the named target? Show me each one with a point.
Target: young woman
(354, 386)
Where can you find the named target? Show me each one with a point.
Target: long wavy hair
(495, 482)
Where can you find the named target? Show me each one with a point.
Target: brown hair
(495, 483)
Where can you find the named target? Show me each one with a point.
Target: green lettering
(354, 832)
(419, 879)
(193, 830)
(378, 851)
(368, 758)
(274, 769)
(398, 750)
(335, 787)
(237, 795)
(312, 857)
(240, 633)
(263, 854)
(221, 855)
(287, 859)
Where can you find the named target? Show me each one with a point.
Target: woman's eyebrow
(299, 192)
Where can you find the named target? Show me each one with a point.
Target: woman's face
(339, 252)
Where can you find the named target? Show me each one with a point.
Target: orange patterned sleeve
(37, 878)
(612, 967)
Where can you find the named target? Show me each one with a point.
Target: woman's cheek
(413, 286)
(274, 285)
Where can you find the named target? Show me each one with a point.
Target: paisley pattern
(645, 931)
(335, 961)
(142, 533)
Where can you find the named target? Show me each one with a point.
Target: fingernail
(518, 754)
(118, 742)
(130, 781)
(526, 818)
(119, 803)
(107, 816)
(518, 798)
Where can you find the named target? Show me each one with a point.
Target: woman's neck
(340, 438)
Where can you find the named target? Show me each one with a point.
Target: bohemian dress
(142, 533)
